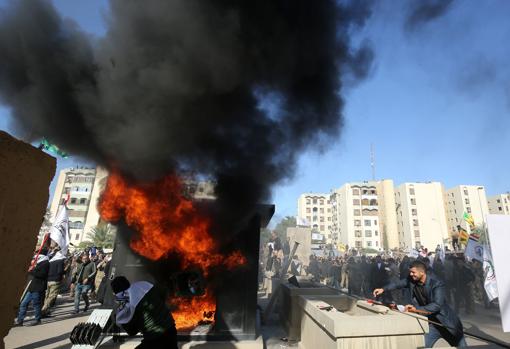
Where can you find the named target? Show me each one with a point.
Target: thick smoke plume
(424, 11)
(231, 89)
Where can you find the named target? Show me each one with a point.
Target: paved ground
(54, 332)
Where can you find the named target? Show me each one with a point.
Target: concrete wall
(304, 237)
(25, 176)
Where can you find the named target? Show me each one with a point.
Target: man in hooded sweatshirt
(38, 275)
(142, 308)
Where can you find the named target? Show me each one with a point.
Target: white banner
(499, 234)
(59, 231)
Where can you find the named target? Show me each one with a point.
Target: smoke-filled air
(233, 90)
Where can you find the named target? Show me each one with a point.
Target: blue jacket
(440, 311)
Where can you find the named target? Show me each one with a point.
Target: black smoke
(421, 12)
(179, 85)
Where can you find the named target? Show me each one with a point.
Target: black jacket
(378, 276)
(440, 311)
(56, 270)
(39, 277)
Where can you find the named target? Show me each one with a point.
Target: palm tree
(102, 235)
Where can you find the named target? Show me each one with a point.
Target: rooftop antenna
(372, 160)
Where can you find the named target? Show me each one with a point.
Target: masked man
(142, 308)
(428, 297)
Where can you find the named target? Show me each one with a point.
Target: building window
(357, 223)
(499, 208)
(465, 192)
(308, 210)
(329, 219)
(416, 233)
(83, 201)
(308, 201)
(322, 227)
(375, 221)
(358, 244)
(368, 233)
(321, 210)
(467, 201)
(376, 233)
(355, 202)
(357, 233)
(411, 191)
(328, 202)
(77, 236)
(314, 201)
(329, 210)
(321, 202)
(357, 212)
(367, 223)
(415, 222)
(73, 200)
(377, 243)
(468, 210)
(373, 202)
(355, 192)
(314, 209)
(413, 201)
(315, 218)
(369, 243)
(308, 218)
(365, 202)
(414, 212)
(321, 219)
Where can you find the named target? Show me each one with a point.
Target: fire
(193, 311)
(168, 223)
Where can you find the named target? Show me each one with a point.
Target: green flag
(52, 148)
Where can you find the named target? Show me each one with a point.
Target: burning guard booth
(235, 290)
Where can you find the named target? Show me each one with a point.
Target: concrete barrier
(341, 322)
(290, 312)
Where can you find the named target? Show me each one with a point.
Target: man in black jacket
(38, 276)
(55, 277)
(142, 308)
(84, 278)
(428, 296)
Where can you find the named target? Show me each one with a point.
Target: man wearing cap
(142, 308)
(428, 298)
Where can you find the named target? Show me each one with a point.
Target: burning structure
(166, 238)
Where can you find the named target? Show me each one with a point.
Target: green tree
(102, 235)
(281, 227)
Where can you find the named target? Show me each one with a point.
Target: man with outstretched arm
(428, 297)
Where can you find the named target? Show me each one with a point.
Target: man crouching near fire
(428, 298)
(142, 308)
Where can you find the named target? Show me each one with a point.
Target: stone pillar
(25, 176)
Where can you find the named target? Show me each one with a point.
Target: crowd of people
(80, 274)
(360, 274)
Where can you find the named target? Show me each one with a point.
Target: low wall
(25, 176)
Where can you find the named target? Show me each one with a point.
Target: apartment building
(463, 199)
(314, 209)
(499, 204)
(84, 186)
(363, 215)
(421, 215)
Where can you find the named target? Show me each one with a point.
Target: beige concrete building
(314, 210)
(499, 204)
(84, 186)
(363, 215)
(421, 215)
(466, 199)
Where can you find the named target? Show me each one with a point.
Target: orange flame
(167, 222)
